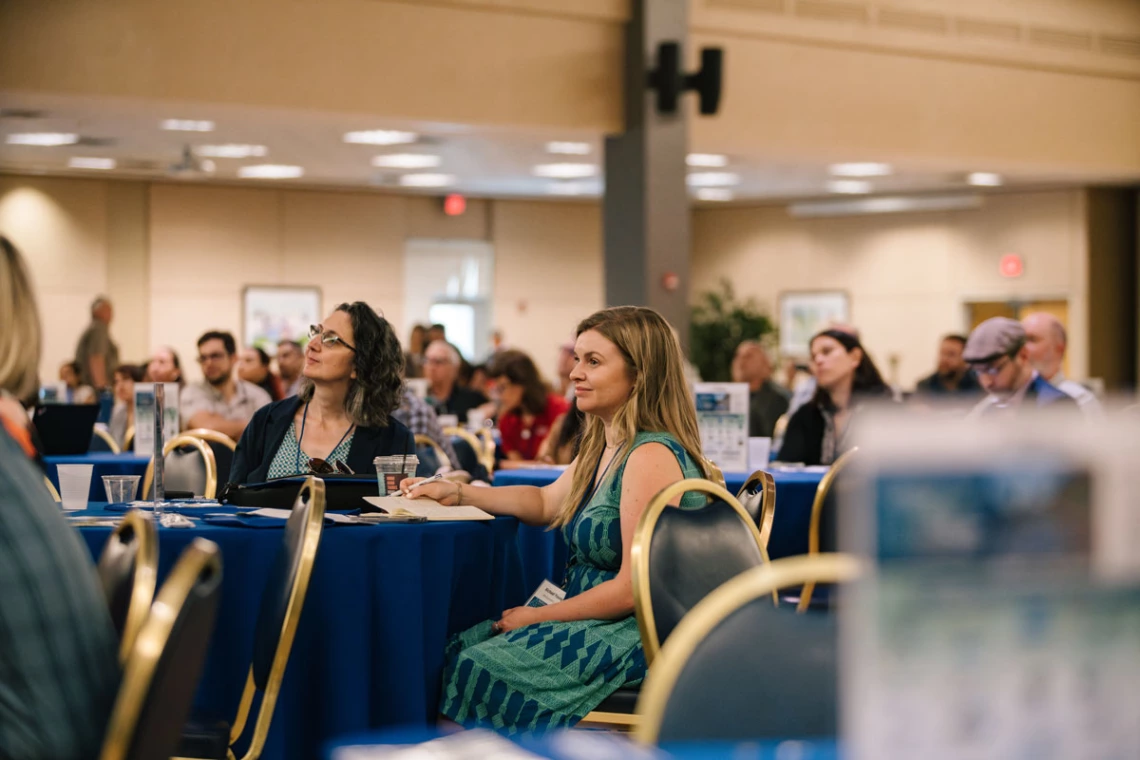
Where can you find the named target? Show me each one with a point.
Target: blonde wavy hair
(659, 401)
(20, 338)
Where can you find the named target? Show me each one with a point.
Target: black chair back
(823, 533)
(165, 663)
(128, 569)
(223, 459)
(469, 459)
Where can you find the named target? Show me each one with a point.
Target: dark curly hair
(519, 369)
(379, 364)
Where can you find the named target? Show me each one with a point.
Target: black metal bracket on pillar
(669, 82)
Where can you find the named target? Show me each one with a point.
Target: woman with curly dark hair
(527, 409)
(341, 419)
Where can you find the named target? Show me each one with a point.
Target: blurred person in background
(123, 413)
(344, 416)
(96, 353)
(846, 381)
(59, 660)
(445, 394)
(953, 376)
(527, 410)
(766, 400)
(565, 366)
(75, 392)
(253, 367)
(561, 446)
(436, 332)
(421, 419)
(803, 389)
(414, 356)
(165, 367)
(479, 379)
(1047, 340)
(290, 361)
(220, 401)
(997, 350)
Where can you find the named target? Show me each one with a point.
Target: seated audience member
(290, 362)
(165, 367)
(953, 376)
(414, 356)
(998, 351)
(342, 419)
(445, 394)
(253, 367)
(73, 391)
(220, 402)
(561, 446)
(526, 410)
(421, 419)
(846, 380)
(640, 436)
(479, 379)
(123, 414)
(565, 366)
(59, 669)
(766, 400)
(803, 389)
(1047, 340)
(436, 332)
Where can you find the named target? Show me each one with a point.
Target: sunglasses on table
(327, 338)
(321, 467)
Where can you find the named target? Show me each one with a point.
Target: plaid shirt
(59, 669)
(421, 420)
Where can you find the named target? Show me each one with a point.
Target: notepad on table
(428, 508)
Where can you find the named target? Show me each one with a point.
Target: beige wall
(907, 275)
(175, 257)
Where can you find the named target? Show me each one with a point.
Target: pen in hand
(424, 482)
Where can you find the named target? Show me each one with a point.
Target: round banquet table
(104, 463)
(382, 603)
(795, 491)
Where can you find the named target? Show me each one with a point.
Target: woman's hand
(517, 617)
(443, 491)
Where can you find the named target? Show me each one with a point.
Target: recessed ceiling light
(568, 148)
(714, 194)
(271, 171)
(381, 137)
(565, 171)
(427, 179)
(713, 179)
(709, 160)
(187, 125)
(407, 161)
(91, 163)
(860, 169)
(231, 150)
(43, 139)
(985, 179)
(570, 188)
(848, 186)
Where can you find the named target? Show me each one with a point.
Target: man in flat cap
(997, 352)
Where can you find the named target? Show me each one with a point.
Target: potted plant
(718, 324)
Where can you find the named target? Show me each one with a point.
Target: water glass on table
(121, 488)
(74, 485)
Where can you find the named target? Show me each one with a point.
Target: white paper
(546, 593)
(432, 510)
(722, 416)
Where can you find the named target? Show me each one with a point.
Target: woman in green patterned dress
(543, 667)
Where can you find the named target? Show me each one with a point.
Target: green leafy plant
(719, 323)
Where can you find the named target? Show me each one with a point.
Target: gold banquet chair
(440, 454)
(165, 662)
(678, 557)
(209, 473)
(789, 662)
(758, 497)
(52, 489)
(129, 438)
(277, 621)
(106, 438)
(823, 519)
(223, 447)
(128, 571)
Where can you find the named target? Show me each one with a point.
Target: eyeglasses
(321, 467)
(203, 358)
(327, 338)
(991, 369)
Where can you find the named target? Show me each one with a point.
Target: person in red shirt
(527, 408)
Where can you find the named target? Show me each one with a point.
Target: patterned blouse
(290, 460)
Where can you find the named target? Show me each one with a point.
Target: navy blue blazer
(265, 432)
(1044, 393)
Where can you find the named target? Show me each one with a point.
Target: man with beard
(220, 402)
(954, 376)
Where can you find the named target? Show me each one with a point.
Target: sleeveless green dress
(550, 675)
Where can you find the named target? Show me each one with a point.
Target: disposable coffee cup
(74, 485)
(450, 420)
(475, 418)
(392, 470)
(759, 449)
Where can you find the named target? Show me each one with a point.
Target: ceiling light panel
(714, 194)
(706, 160)
(860, 169)
(381, 137)
(568, 148)
(231, 150)
(187, 125)
(271, 171)
(43, 139)
(407, 161)
(565, 171)
(848, 187)
(713, 179)
(80, 162)
(427, 179)
(985, 179)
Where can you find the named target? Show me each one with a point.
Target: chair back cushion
(223, 460)
(790, 690)
(117, 574)
(184, 470)
(175, 680)
(751, 497)
(692, 552)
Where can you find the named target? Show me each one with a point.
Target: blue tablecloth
(795, 491)
(104, 463)
(369, 649)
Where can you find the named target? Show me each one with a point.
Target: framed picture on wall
(804, 313)
(272, 313)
